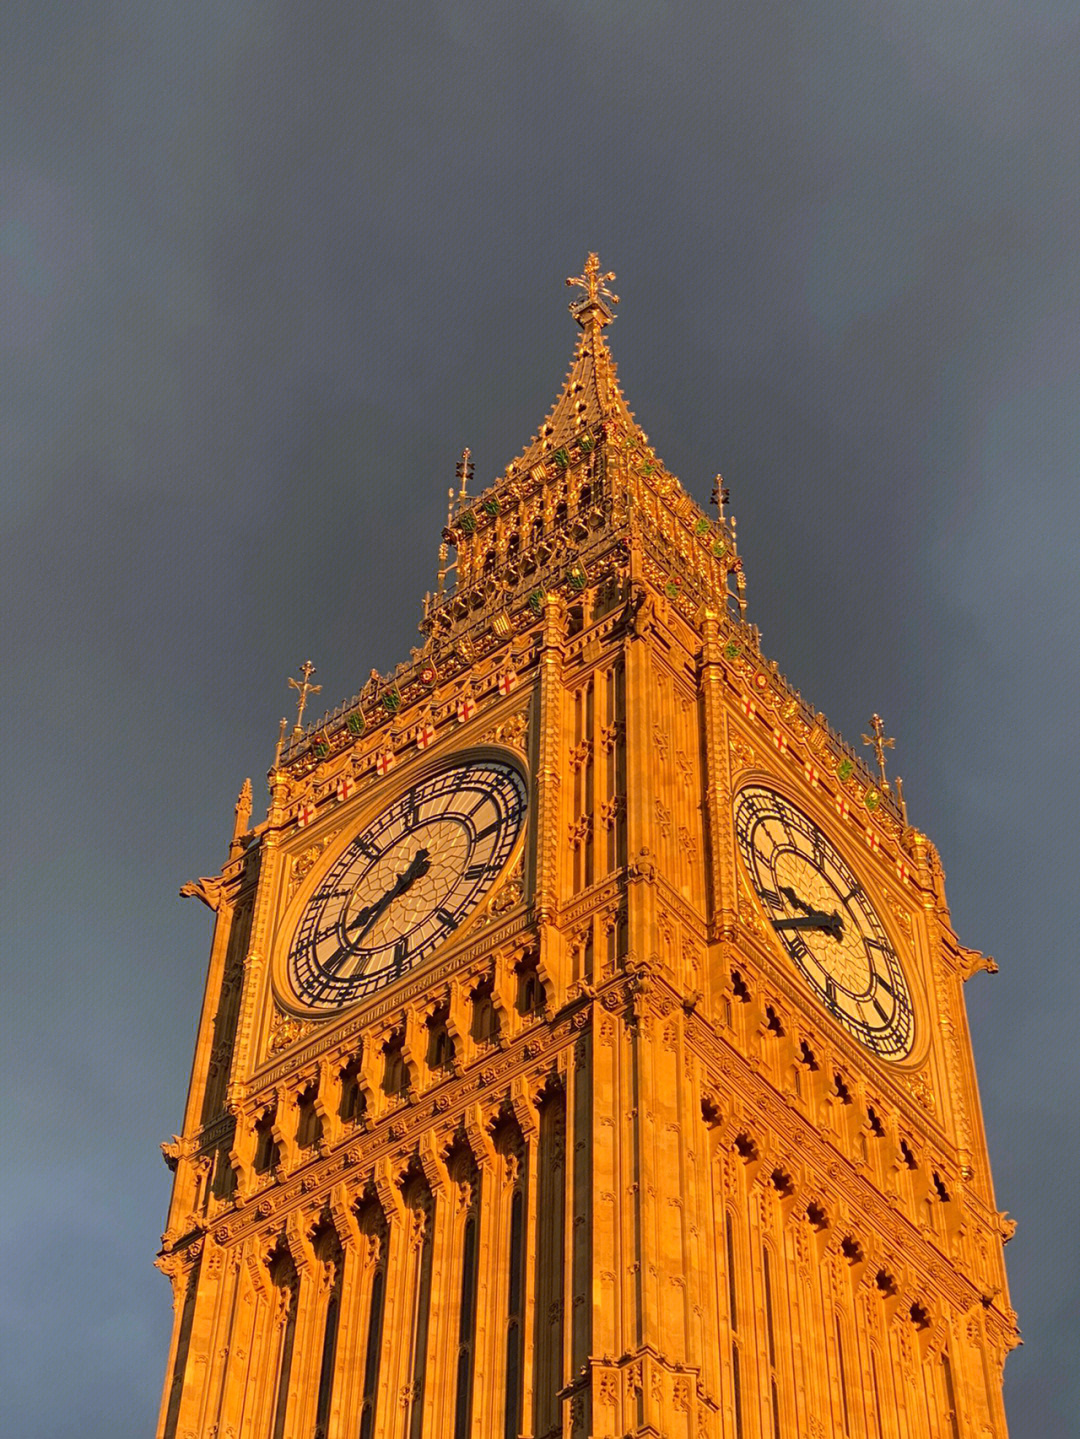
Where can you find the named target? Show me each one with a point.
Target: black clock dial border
(892, 1036)
(496, 784)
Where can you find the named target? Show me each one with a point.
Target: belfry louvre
(584, 1051)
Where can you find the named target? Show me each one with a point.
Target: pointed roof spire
(590, 395)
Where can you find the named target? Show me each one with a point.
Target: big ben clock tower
(583, 1051)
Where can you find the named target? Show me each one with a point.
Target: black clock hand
(830, 924)
(419, 866)
(834, 925)
(795, 902)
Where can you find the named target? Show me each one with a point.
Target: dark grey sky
(265, 268)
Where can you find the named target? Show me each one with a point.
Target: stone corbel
(414, 1045)
(283, 1129)
(299, 1241)
(524, 1108)
(388, 1191)
(502, 998)
(642, 868)
(478, 1137)
(172, 1151)
(327, 1100)
(368, 1076)
(242, 1150)
(176, 1272)
(458, 1017)
(257, 1272)
(343, 1216)
(432, 1163)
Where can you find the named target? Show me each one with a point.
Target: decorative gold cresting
(591, 308)
(879, 742)
(303, 689)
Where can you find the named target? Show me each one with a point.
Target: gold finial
(879, 743)
(720, 494)
(303, 689)
(900, 799)
(243, 807)
(737, 567)
(591, 305)
(243, 815)
(465, 468)
(444, 548)
(280, 743)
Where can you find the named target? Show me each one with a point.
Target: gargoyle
(973, 960)
(210, 889)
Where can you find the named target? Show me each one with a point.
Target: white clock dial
(824, 918)
(406, 882)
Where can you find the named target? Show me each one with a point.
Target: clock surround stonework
(602, 1164)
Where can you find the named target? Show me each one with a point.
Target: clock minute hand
(795, 902)
(418, 866)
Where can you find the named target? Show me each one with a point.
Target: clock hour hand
(835, 925)
(418, 866)
(830, 924)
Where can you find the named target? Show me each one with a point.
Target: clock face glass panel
(826, 922)
(406, 882)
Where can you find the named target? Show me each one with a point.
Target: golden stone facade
(524, 1101)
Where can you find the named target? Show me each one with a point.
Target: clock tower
(583, 1051)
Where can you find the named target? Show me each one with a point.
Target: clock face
(826, 922)
(406, 882)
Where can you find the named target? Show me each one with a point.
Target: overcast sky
(266, 268)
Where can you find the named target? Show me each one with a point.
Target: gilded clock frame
(869, 870)
(355, 815)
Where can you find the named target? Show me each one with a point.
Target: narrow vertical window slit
(466, 1322)
(371, 1358)
(843, 1376)
(512, 1424)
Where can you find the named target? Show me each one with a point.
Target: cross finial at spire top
(590, 308)
(879, 742)
(303, 689)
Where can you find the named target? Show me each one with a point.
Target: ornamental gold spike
(591, 305)
(444, 548)
(465, 468)
(303, 689)
(900, 799)
(879, 742)
(280, 743)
